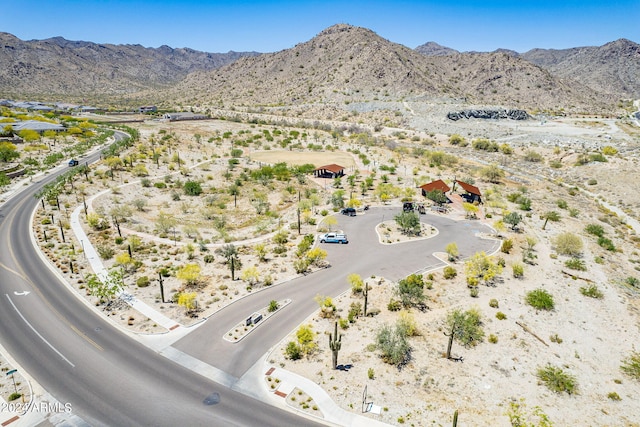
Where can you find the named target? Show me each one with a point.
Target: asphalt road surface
(364, 255)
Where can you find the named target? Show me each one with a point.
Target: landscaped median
(244, 328)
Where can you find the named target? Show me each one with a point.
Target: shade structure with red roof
(434, 185)
(329, 171)
(473, 193)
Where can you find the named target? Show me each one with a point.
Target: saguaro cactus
(335, 343)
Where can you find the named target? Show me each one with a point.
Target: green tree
(410, 291)
(392, 343)
(513, 219)
(465, 327)
(437, 197)
(192, 188)
(109, 287)
(409, 222)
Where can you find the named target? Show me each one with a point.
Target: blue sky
(270, 26)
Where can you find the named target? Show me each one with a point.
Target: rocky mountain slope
(57, 67)
(345, 64)
(341, 65)
(612, 68)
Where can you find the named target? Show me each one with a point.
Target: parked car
(73, 162)
(348, 211)
(333, 238)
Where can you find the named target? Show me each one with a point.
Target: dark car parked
(348, 211)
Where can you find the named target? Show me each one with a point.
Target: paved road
(363, 255)
(80, 358)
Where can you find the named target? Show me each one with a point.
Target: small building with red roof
(433, 186)
(472, 192)
(329, 171)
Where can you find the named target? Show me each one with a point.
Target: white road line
(38, 333)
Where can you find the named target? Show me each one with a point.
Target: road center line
(38, 333)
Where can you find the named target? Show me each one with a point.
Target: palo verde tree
(409, 222)
(410, 291)
(480, 268)
(437, 197)
(464, 327)
(513, 219)
(107, 288)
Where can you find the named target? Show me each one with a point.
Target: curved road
(81, 359)
(111, 379)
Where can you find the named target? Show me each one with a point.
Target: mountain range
(341, 64)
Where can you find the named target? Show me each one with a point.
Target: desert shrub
(160, 185)
(449, 272)
(608, 150)
(606, 244)
(506, 246)
(407, 324)
(393, 344)
(394, 305)
(493, 339)
(557, 380)
(14, 396)
(355, 310)
(591, 291)
(568, 244)
(614, 396)
(576, 264)
(143, 281)
(518, 270)
(293, 351)
(371, 373)
(540, 299)
(597, 157)
(532, 156)
(273, 306)
(474, 292)
(562, 204)
(105, 252)
(208, 258)
(493, 303)
(631, 365)
(556, 164)
(500, 315)
(632, 281)
(344, 323)
(555, 338)
(595, 229)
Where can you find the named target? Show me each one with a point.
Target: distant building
(148, 109)
(174, 117)
(36, 125)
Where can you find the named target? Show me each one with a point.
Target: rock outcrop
(488, 114)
